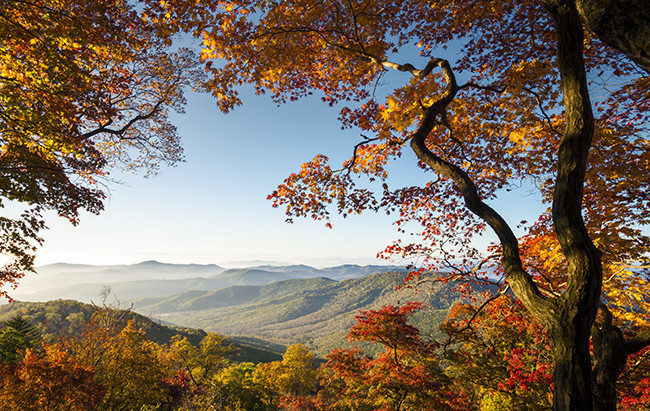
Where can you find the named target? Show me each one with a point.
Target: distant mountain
(275, 304)
(250, 276)
(315, 311)
(61, 317)
(60, 275)
(340, 272)
(155, 279)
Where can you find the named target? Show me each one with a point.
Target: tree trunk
(572, 389)
(609, 357)
(570, 328)
(611, 351)
(622, 24)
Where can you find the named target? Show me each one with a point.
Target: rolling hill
(262, 305)
(315, 311)
(155, 279)
(66, 317)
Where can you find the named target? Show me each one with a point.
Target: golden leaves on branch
(84, 87)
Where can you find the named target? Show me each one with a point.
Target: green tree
(237, 389)
(17, 336)
(25, 328)
(205, 362)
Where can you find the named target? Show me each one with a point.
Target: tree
(50, 380)
(126, 364)
(237, 388)
(84, 86)
(501, 354)
(207, 367)
(17, 336)
(24, 328)
(205, 362)
(294, 376)
(522, 116)
(405, 375)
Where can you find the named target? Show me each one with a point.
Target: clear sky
(213, 207)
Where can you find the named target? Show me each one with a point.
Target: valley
(279, 305)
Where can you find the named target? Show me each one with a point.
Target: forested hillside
(61, 318)
(317, 312)
(156, 279)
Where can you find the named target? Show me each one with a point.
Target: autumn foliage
(533, 102)
(494, 357)
(84, 87)
(406, 374)
(501, 354)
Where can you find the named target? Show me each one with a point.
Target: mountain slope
(56, 318)
(316, 311)
(155, 279)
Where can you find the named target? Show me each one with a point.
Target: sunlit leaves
(49, 379)
(125, 363)
(503, 353)
(293, 377)
(83, 86)
(309, 192)
(405, 374)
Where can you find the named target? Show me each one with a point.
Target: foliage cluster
(495, 358)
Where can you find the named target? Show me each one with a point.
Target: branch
(354, 154)
(518, 279)
(120, 132)
(433, 62)
(541, 108)
(468, 326)
(485, 88)
(482, 306)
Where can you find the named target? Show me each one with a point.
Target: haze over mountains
(156, 279)
(282, 304)
(315, 311)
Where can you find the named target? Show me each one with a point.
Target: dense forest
(66, 355)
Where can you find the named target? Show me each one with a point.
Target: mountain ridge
(155, 279)
(316, 311)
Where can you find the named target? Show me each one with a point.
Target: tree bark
(622, 24)
(578, 304)
(609, 357)
(572, 388)
(611, 351)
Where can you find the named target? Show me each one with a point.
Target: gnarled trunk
(609, 357)
(570, 326)
(610, 354)
(623, 24)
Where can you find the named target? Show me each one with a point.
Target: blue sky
(213, 207)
